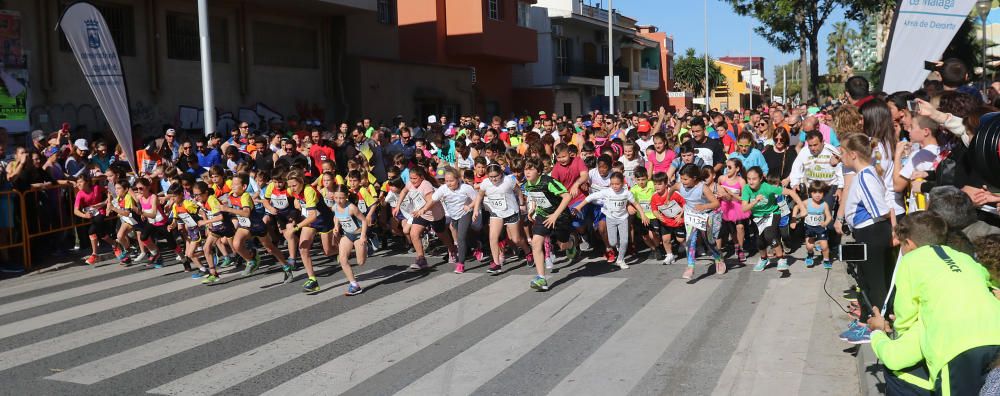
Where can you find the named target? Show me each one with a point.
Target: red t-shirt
(567, 175)
(86, 199)
(661, 200)
(319, 154)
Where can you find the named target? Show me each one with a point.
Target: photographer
(947, 321)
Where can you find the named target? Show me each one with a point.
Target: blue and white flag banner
(921, 32)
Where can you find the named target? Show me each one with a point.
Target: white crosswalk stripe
(79, 291)
(350, 369)
(34, 282)
(246, 365)
(468, 371)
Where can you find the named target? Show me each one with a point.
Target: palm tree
(839, 42)
(689, 73)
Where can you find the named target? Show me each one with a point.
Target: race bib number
(92, 210)
(698, 221)
(814, 220)
(646, 208)
(540, 200)
(305, 210)
(362, 206)
(783, 207)
(279, 201)
(415, 200)
(392, 200)
(329, 202)
(158, 218)
(671, 209)
(497, 204)
(629, 173)
(243, 221)
(616, 204)
(763, 222)
(188, 220)
(348, 226)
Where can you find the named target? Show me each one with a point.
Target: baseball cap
(542, 115)
(81, 144)
(37, 135)
(644, 126)
(511, 124)
(171, 131)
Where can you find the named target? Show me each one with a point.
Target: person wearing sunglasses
(749, 155)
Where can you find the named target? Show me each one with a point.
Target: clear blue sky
(728, 32)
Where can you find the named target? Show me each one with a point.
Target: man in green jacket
(947, 320)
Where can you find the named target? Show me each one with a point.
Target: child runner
(458, 200)
(352, 226)
(668, 206)
(249, 224)
(616, 199)
(550, 198)
(316, 218)
(761, 199)
(281, 213)
(500, 194)
(185, 215)
(699, 203)
(426, 213)
(153, 223)
(124, 204)
(631, 161)
(91, 203)
(817, 218)
(218, 228)
(643, 191)
(734, 218)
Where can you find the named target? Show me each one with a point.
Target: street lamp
(983, 8)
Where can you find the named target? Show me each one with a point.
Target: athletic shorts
(352, 237)
(818, 233)
(321, 225)
(438, 226)
(678, 232)
(257, 229)
(512, 219)
(560, 233)
(226, 230)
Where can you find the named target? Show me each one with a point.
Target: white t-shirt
(615, 203)
(599, 183)
(644, 145)
(500, 200)
(454, 201)
(629, 168)
(918, 160)
(884, 157)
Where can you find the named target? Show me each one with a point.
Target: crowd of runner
(664, 187)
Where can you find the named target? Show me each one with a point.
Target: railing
(649, 78)
(601, 14)
(12, 235)
(595, 71)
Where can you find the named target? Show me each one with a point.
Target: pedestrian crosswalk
(437, 333)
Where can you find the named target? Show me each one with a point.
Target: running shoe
(688, 273)
(251, 267)
(311, 286)
(810, 261)
(494, 268)
(760, 265)
(226, 262)
(376, 242)
(294, 264)
(286, 270)
(120, 254)
(585, 246)
(125, 262)
(571, 253)
(610, 256)
(200, 273)
(720, 267)
(179, 252)
(621, 262)
(530, 258)
(539, 283)
(353, 290)
(459, 268)
(669, 259)
(141, 256)
(860, 335)
(741, 255)
(478, 254)
(92, 259)
(827, 264)
(452, 259)
(210, 279)
(783, 264)
(549, 263)
(850, 328)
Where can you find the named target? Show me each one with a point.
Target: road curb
(52, 268)
(870, 375)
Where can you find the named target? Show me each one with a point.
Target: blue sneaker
(861, 335)
(198, 274)
(810, 261)
(782, 264)
(760, 265)
(827, 264)
(353, 290)
(851, 327)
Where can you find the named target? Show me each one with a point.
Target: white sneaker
(585, 246)
(548, 262)
(669, 259)
(141, 256)
(621, 263)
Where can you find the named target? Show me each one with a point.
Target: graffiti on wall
(193, 118)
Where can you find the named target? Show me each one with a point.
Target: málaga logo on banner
(93, 34)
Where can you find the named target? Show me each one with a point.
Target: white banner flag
(88, 36)
(921, 32)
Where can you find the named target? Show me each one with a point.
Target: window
(121, 25)
(183, 38)
(495, 10)
(387, 12)
(523, 14)
(285, 46)
(604, 54)
(562, 56)
(568, 109)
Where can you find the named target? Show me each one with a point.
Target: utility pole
(750, 61)
(708, 88)
(611, 57)
(208, 101)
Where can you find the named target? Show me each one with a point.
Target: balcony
(649, 79)
(586, 73)
(601, 14)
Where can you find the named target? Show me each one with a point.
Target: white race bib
(129, 220)
(616, 204)
(783, 207)
(305, 210)
(243, 221)
(814, 220)
(646, 208)
(187, 220)
(328, 201)
(497, 204)
(671, 209)
(763, 222)
(158, 218)
(362, 206)
(279, 201)
(698, 221)
(415, 201)
(348, 226)
(540, 200)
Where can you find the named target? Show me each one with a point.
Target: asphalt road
(123, 331)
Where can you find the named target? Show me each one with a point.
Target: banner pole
(208, 101)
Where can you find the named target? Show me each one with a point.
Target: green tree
(838, 46)
(787, 80)
(689, 73)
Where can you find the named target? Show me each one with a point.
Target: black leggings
(876, 272)
(770, 236)
(98, 226)
(144, 230)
